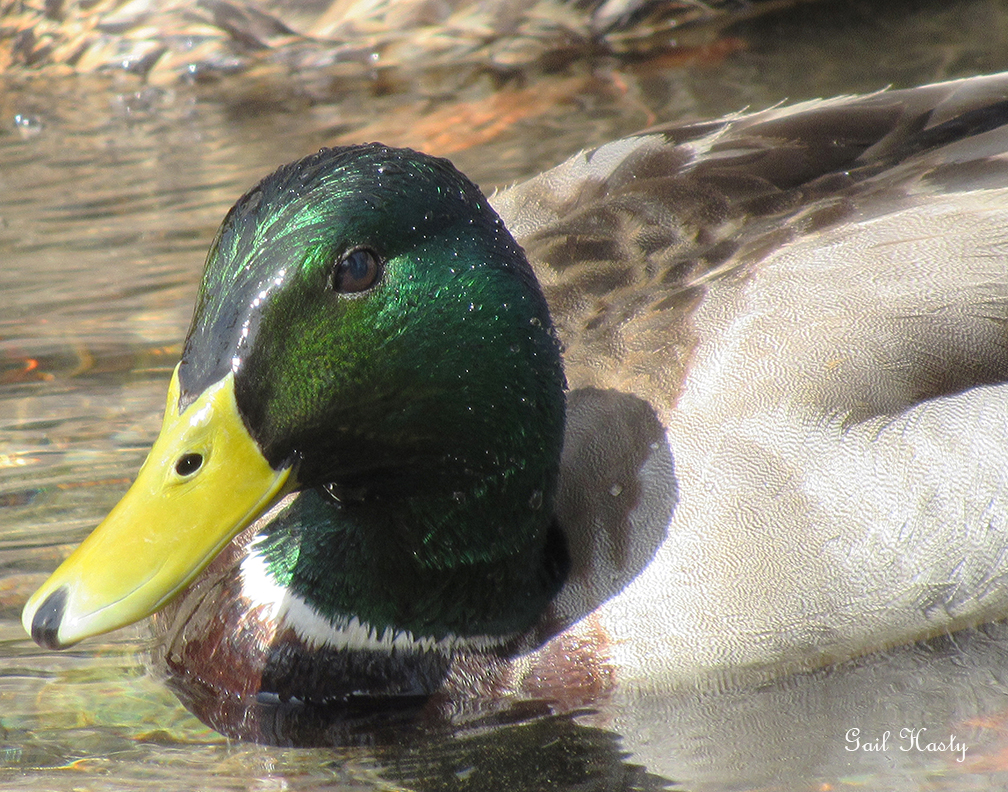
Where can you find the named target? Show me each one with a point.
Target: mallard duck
(715, 400)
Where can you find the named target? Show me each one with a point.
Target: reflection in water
(520, 756)
(110, 194)
(202, 40)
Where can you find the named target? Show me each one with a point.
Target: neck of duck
(419, 562)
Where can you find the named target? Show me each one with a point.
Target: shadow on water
(553, 752)
(520, 748)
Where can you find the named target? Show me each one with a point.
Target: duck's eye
(188, 464)
(357, 271)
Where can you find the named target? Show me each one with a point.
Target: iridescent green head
(386, 334)
(385, 347)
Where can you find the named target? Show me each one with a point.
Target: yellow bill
(204, 480)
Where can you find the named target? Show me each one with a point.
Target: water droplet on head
(615, 490)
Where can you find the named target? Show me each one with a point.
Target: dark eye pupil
(357, 271)
(188, 464)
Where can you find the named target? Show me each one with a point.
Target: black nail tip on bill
(47, 620)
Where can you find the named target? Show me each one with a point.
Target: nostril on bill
(47, 620)
(188, 464)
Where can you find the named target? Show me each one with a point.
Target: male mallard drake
(783, 437)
